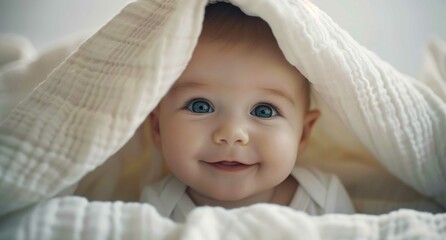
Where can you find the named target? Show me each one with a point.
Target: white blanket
(93, 103)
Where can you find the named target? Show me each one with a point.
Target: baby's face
(231, 126)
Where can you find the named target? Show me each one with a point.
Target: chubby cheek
(278, 149)
(179, 144)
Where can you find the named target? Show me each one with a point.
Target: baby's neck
(281, 194)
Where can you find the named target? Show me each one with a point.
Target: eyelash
(279, 112)
(186, 104)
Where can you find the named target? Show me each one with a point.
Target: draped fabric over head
(94, 102)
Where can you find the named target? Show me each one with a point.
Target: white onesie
(318, 193)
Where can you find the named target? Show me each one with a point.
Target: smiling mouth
(230, 166)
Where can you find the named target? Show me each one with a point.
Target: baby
(232, 126)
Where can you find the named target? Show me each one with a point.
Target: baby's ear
(155, 127)
(309, 120)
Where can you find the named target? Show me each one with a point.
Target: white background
(396, 30)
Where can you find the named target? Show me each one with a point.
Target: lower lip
(230, 167)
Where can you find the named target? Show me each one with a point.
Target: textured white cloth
(92, 104)
(318, 193)
(15, 48)
(18, 78)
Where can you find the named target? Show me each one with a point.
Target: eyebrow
(280, 94)
(188, 85)
(266, 89)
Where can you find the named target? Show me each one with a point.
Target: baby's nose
(231, 134)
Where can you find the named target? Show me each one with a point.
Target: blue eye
(264, 111)
(199, 106)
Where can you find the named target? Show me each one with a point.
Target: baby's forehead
(262, 65)
(260, 83)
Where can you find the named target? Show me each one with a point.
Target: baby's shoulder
(325, 189)
(153, 191)
(314, 177)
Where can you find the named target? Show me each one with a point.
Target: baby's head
(233, 124)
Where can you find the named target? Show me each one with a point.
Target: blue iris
(199, 106)
(264, 111)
